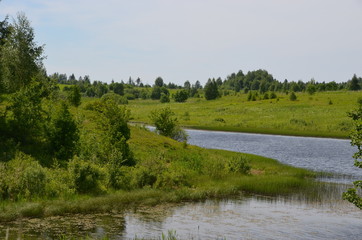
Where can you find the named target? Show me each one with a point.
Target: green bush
(293, 97)
(181, 96)
(119, 177)
(63, 133)
(238, 165)
(167, 125)
(25, 178)
(86, 177)
(164, 98)
(115, 97)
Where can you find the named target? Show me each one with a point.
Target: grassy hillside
(323, 114)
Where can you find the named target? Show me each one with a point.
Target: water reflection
(320, 214)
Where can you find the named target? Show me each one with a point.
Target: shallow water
(243, 217)
(319, 154)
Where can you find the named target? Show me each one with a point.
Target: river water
(325, 216)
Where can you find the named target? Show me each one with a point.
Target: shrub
(181, 96)
(25, 178)
(74, 96)
(86, 177)
(63, 133)
(273, 95)
(167, 125)
(115, 97)
(238, 165)
(293, 97)
(164, 98)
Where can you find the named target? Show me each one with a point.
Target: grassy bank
(180, 173)
(321, 115)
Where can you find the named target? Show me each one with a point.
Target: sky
(192, 40)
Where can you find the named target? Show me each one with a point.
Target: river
(325, 216)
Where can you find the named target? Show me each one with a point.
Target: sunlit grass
(323, 114)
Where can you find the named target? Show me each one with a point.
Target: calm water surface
(319, 154)
(323, 216)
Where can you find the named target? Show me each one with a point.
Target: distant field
(323, 114)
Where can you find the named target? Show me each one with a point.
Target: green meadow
(323, 114)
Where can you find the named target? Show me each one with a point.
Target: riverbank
(323, 114)
(177, 172)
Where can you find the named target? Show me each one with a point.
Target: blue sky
(197, 39)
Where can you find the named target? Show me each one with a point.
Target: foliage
(26, 113)
(167, 125)
(164, 98)
(113, 120)
(159, 82)
(239, 165)
(292, 97)
(158, 91)
(86, 176)
(22, 177)
(311, 89)
(21, 57)
(181, 96)
(114, 97)
(211, 90)
(74, 96)
(63, 134)
(352, 194)
(354, 84)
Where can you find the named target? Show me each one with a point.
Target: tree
(181, 96)
(74, 96)
(311, 88)
(22, 57)
(164, 98)
(113, 120)
(63, 133)
(354, 84)
(356, 140)
(187, 85)
(292, 97)
(159, 82)
(118, 88)
(167, 125)
(211, 90)
(157, 92)
(27, 114)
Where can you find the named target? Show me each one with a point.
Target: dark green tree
(211, 90)
(159, 82)
(352, 194)
(118, 88)
(311, 89)
(181, 96)
(292, 97)
(63, 133)
(113, 120)
(74, 97)
(354, 84)
(164, 98)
